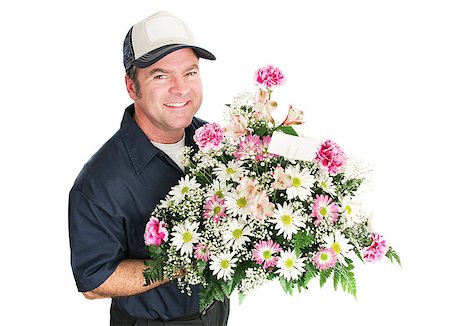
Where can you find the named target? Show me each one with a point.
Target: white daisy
(239, 205)
(185, 185)
(287, 221)
(232, 171)
(290, 266)
(237, 234)
(351, 212)
(219, 188)
(302, 181)
(185, 236)
(222, 265)
(326, 183)
(339, 244)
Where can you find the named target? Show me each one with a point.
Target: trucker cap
(155, 37)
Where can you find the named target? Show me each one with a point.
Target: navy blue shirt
(109, 206)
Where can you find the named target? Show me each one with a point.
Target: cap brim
(155, 55)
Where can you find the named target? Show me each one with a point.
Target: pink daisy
(325, 258)
(214, 208)
(324, 207)
(250, 147)
(265, 149)
(264, 253)
(201, 252)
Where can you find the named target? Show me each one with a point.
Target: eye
(160, 77)
(192, 73)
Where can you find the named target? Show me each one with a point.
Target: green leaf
(302, 241)
(311, 272)
(336, 278)
(351, 284)
(391, 254)
(201, 265)
(241, 297)
(287, 130)
(239, 275)
(324, 275)
(206, 296)
(288, 286)
(350, 265)
(218, 294)
(347, 278)
(358, 253)
(154, 272)
(227, 287)
(155, 251)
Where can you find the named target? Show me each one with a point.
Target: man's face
(170, 95)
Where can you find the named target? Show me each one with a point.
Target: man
(114, 194)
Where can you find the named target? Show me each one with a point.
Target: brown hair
(132, 74)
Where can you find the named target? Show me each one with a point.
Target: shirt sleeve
(97, 241)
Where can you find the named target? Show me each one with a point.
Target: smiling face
(170, 95)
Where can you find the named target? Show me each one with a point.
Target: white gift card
(293, 147)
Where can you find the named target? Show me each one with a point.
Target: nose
(178, 86)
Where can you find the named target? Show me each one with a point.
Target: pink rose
(155, 232)
(332, 157)
(377, 249)
(269, 76)
(209, 137)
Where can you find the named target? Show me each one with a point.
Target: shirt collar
(138, 146)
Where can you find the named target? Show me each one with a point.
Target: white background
(372, 75)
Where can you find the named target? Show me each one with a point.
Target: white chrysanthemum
(239, 205)
(287, 220)
(232, 171)
(219, 188)
(184, 236)
(290, 266)
(339, 244)
(222, 265)
(302, 181)
(237, 233)
(185, 185)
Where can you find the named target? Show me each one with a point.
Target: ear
(130, 87)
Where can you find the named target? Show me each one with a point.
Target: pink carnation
(269, 76)
(209, 137)
(377, 249)
(331, 156)
(155, 232)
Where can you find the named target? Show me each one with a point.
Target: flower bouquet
(243, 215)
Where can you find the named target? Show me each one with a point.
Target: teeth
(176, 105)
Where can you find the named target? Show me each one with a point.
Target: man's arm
(128, 279)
